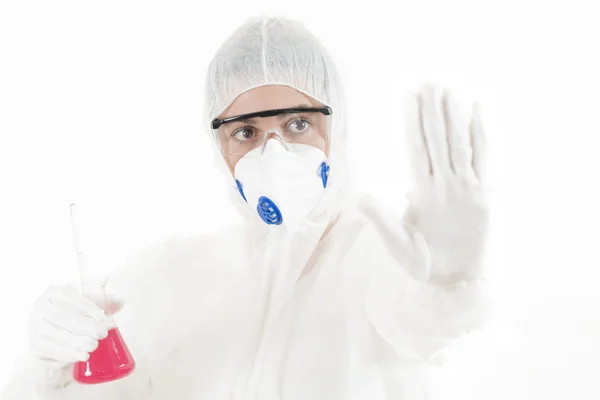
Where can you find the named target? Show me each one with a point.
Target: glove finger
(458, 138)
(66, 339)
(77, 324)
(418, 155)
(71, 300)
(98, 305)
(430, 98)
(47, 350)
(478, 143)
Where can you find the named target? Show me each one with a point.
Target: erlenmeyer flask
(112, 359)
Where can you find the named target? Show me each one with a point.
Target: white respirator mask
(282, 181)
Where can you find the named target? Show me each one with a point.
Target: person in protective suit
(322, 293)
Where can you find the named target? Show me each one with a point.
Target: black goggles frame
(216, 123)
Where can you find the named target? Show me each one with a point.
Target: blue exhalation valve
(324, 173)
(241, 190)
(268, 211)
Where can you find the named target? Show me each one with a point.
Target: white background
(100, 104)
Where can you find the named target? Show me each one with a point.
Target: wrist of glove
(50, 375)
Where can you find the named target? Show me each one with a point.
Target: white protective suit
(351, 306)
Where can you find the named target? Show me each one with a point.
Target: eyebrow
(281, 116)
(251, 121)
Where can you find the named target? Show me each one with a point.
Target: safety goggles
(241, 134)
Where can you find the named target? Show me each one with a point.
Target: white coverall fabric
(333, 311)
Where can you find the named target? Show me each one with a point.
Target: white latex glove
(64, 328)
(447, 205)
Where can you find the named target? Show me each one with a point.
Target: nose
(271, 148)
(274, 143)
(273, 135)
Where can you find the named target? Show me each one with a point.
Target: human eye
(243, 134)
(299, 125)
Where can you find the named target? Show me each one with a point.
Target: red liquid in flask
(109, 362)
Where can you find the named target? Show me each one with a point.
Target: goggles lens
(241, 134)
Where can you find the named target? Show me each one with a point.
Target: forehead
(268, 97)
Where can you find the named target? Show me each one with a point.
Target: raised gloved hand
(447, 205)
(64, 328)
